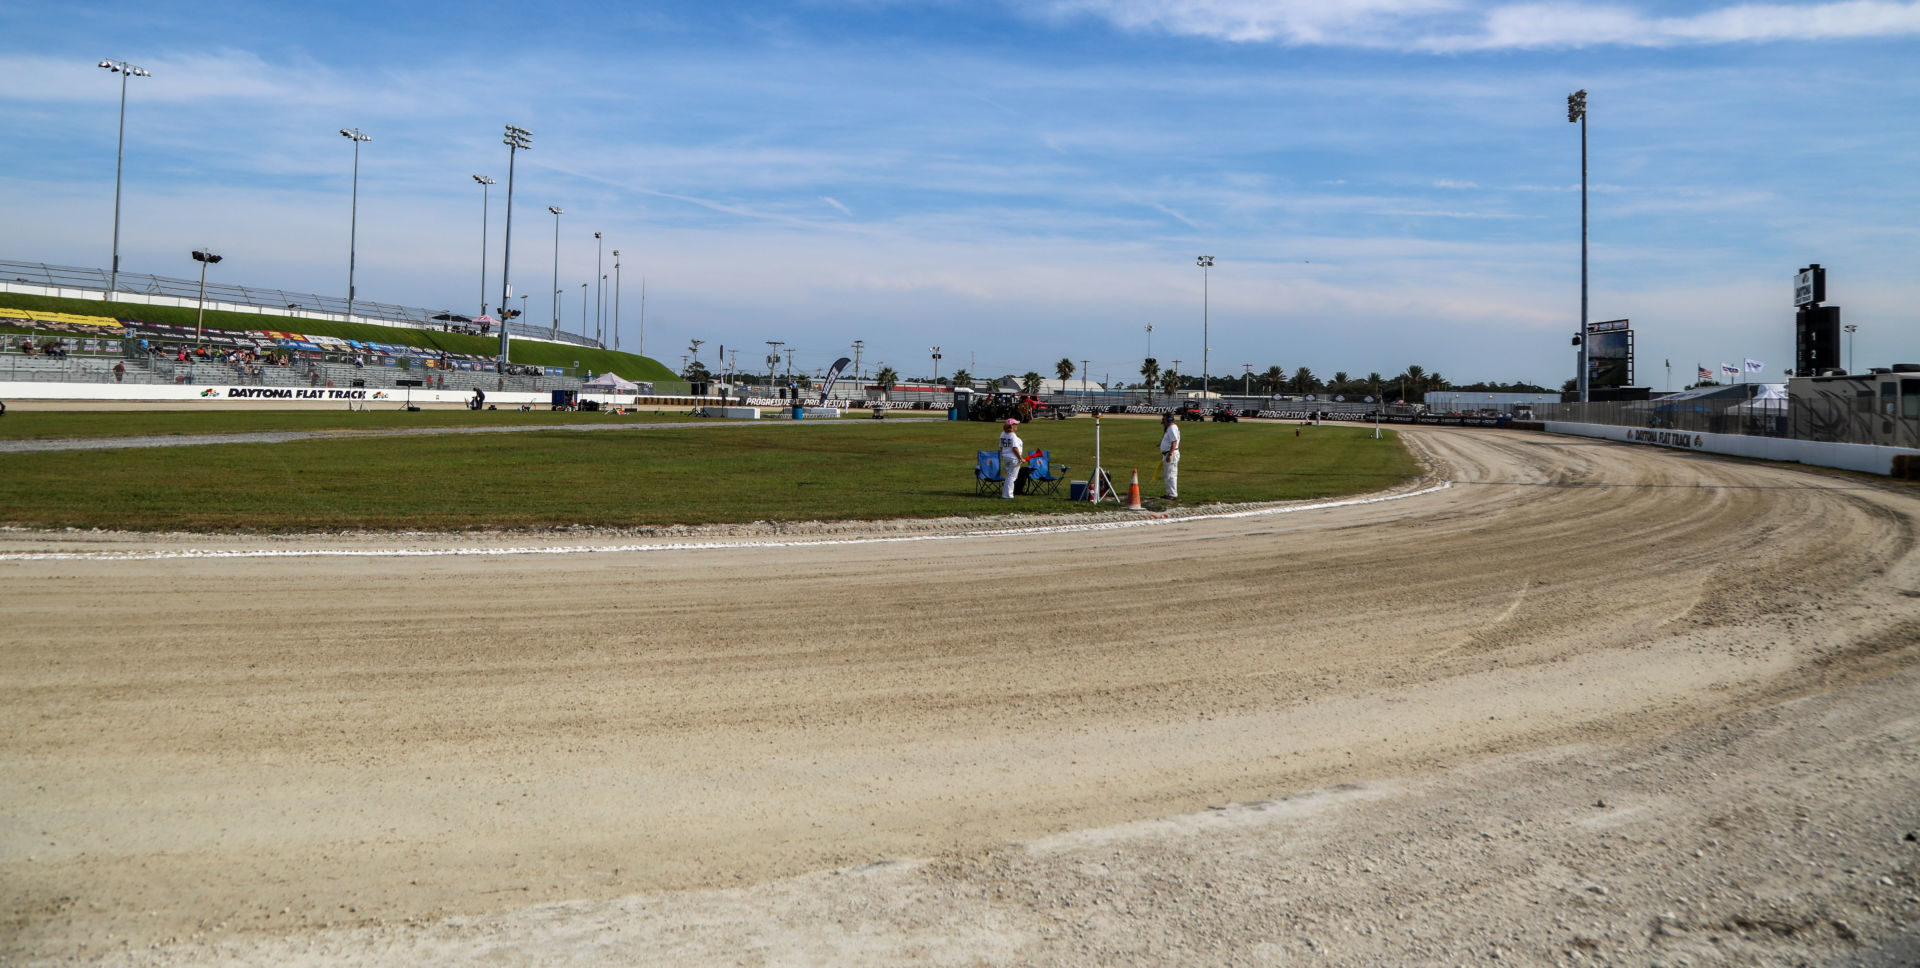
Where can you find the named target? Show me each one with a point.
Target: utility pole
(857, 344)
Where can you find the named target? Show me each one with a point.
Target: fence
(93, 283)
(1791, 418)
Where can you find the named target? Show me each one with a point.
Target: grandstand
(67, 347)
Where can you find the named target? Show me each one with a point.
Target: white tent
(610, 382)
(1769, 401)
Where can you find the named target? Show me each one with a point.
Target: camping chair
(986, 472)
(1045, 481)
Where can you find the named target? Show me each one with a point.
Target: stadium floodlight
(125, 70)
(206, 258)
(353, 230)
(616, 300)
(555, 209)
(1205, 263)
(1577, 112)
(515, 139)
(485, 184)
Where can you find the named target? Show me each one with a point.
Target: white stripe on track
(698, 545)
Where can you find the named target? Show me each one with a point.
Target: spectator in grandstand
(1170, 456)
(1011, 464)
(119, 372)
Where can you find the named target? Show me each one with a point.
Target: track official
(1010, 462)
(1170, 455)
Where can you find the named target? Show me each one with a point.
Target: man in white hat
(1170, 456)
(1010, 460)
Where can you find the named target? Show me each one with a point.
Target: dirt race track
(1589, 704)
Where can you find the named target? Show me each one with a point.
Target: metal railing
(272, 301)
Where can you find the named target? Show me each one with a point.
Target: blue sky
(1382, 182)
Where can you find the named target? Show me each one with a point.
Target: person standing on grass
(1170, 456)
(1010, 461)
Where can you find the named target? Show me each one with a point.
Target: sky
(1380, 182)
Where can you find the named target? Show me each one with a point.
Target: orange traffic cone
(1133, 493)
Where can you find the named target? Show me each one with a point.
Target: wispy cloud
(830, 200)
(1447, 26)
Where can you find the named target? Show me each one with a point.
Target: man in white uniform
(1170, 456)
(1010, 445)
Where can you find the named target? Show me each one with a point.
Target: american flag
(1705, 374)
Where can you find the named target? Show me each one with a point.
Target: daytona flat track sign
(1810, 286)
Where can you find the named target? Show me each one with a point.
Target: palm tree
(962, 378)
(1150, 372)
(1304, 381)
(1030, 383)
(1064, 370)
(1339, 382)
(886, 378)
(1274, 380)
(1373, 385)
(1170, 383)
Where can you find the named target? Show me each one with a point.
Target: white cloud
(1448, 26)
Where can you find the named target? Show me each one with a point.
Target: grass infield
(826, 470)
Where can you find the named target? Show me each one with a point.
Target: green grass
(64, 424)
(820, 471)
(524, 351)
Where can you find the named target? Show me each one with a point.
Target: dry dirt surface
(1565, 702)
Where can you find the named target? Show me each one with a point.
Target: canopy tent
(1771, 401)
(611, 382)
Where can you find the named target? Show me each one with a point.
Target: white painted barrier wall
(1868, 458)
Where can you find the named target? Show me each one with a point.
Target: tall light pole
(1205, 263)
(935, 350)
(1149, 341)
(484, 182)
(125, 70)
(583, 310)
(1851, 328)
(205, 258)
(353, 226)
(555, 209)
(857, 344)
(515, 139)
(616, 300)
(1083, 378)
(1577, 111)
(1246, 381)
(599, 290)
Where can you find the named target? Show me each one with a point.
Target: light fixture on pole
(935, 350)
(125, 70)
(616, 300)
(484, 182)
(555, 209)
(599, 290)
(353, 230)
(205, 258)
(1577, 111)
(1205, 263)
(515, 139)
(1851, 328)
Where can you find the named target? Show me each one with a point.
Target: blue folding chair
(1044, 478)
(986, 472)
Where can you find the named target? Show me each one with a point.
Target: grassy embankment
(524, 351)
(828, 470)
